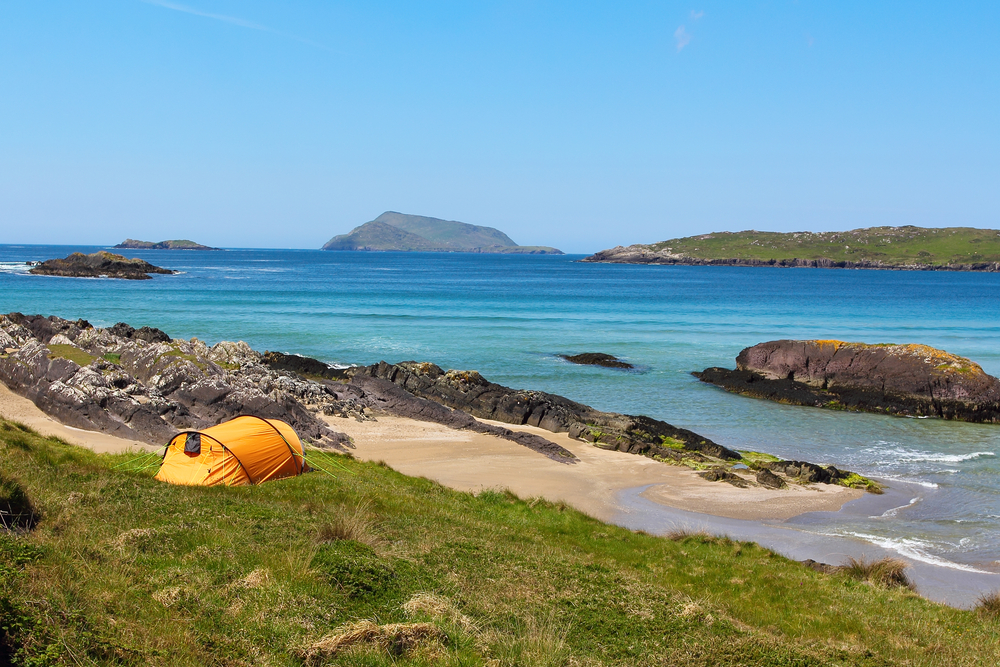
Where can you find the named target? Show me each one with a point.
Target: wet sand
(472, 462)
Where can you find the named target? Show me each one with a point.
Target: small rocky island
(402, 232)
(177, 244)
(596, 359)
(904, 380)
(101, 264)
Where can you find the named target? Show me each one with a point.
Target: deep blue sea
(509, 316)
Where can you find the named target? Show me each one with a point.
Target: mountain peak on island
(417, 233)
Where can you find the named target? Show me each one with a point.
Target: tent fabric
(244, 450)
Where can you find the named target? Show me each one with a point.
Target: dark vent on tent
(193, 444)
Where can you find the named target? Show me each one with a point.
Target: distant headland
(908, 248)
(417, 233)
(179, 244)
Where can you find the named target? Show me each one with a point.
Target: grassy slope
(123, 569)
(891, 245)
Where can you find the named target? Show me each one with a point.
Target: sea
(511, 316)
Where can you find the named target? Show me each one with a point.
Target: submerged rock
(904, 380)
(597, 359)
(97, 265)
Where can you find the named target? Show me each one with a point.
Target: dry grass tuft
(346, 524)
(694, 611)
(681, 534)
(885, 572)
(989, 604)
(438, 607)
(394, 638)
(134, 538)
(539, 643)
(256, 579)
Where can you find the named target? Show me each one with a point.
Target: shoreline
(473, 462)
(631, 491)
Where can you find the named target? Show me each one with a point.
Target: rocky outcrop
(142, 385)
(905, 380)
(304, 366)
(98, 265)
(470, 392)
(596, 359)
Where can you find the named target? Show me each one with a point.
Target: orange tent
(245, 450)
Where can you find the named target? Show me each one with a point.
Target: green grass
(672, 443)
(890, 245)
(122, 569)
(754, 459)
(71, 352)
(856, 481)
(113, 358)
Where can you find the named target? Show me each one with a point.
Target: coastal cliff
(905, 380)
(901, 248)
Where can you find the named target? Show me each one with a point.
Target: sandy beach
(473, 462)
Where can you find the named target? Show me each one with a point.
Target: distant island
(179, 244)
(101, 264)
(913, 248)
(402, 232)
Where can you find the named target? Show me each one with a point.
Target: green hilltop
(887, 245)
(403, 232)
(100, 564)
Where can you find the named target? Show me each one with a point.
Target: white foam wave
(915, 549)
(892, 512)
(890, 453)
(14, 267)
(942, 458)
(918, 482)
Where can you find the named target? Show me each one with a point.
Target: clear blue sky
(575, 124)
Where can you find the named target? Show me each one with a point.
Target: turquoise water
(509, 316)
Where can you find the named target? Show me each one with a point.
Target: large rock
(909, 380)
(470, 392)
